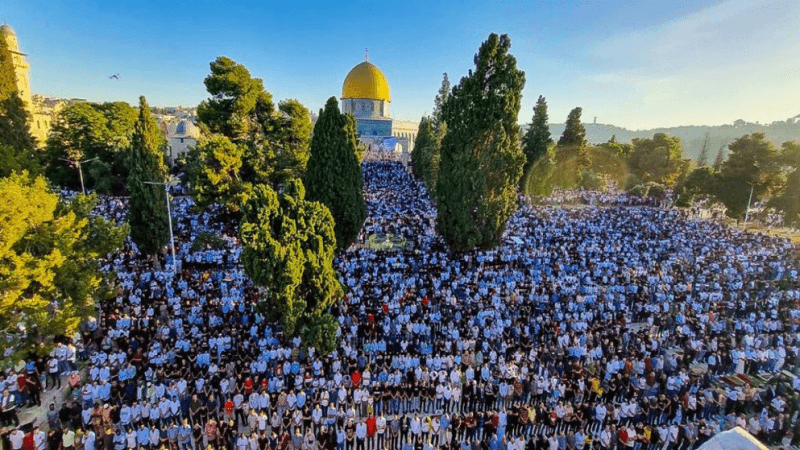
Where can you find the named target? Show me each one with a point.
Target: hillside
(692, 136)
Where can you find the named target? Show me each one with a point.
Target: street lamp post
(169, 219)
(78, 163)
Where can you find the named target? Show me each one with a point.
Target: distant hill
(692, 136)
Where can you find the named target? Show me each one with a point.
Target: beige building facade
(42, 111)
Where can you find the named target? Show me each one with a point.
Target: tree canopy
(272, 144)
(752, 162)
(100, 133)
(481, 160)
(333, 175)
(537, 139)
(574, 132)
(148, 212)
(426, 154)
(288, 249)
(659, 160)
(50, 255)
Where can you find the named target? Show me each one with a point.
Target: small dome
(7, 30)
(366, 81)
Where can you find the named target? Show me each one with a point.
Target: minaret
(21, 67)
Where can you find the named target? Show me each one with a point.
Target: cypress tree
(574, 131)
(418, 156)
(333, 173)
(148, 211)
(426, 154)
(537, 138)
(481, 160)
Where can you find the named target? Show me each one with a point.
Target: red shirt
(248, 387)
(229, 407)
(356, 378)
(27, 442)
(371, 427)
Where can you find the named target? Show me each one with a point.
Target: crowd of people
(618, 327)
(608, 197)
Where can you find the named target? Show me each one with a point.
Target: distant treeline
(692, 136)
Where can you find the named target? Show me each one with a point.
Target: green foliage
(85, 131)
(426, 154)
(787, 199)
(239, 104)
(570, 163)
(8, 78)
(437, 120)
(50, 256)
(293, 138)
(574, 132)
(610, 160)
(213, 167)
(701, 182)
(537, 139)
(538, 180)
(593, 180)
(289, 245)
(481, 160)
(753, 162)
(15, 134)
(246, 139)
(659, 160)
(333, 175)
(148, 217)
(205, 240)
(320, 333)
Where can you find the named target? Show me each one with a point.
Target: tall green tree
(537, 139)
(438, 105)
(574, 134)
(50, 256)
(481, 160)
(418, 155)
(288, 248)
(273, 142)
(333, 175)
(214, 166)
(572, 155)
(658, 160)
(426, 155)
(754, 163)
(148, 217)
(537, 181)
(699, 183)
(787, 199)
(100, 133)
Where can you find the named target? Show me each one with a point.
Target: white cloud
(736, 59)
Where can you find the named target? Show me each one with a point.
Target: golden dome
(366, 81)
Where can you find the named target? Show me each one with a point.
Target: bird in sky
(115, 76)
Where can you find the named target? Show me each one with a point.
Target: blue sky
(637, 64)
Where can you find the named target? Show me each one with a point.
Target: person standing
(68, 439)
(8, 407)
